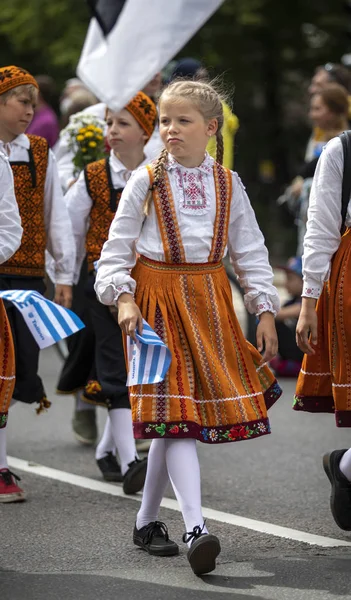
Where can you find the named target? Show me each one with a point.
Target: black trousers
(109, 354)
(29, 386)
(79, 366)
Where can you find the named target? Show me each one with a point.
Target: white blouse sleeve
(59, 236)
(10, 220)
(322, 237)
(79, 205)
(118, 254)
(249, 254)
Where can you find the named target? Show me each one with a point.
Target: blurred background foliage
(267, 50)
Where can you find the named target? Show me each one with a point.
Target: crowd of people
(140, 234)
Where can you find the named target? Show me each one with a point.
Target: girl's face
(319, 113)
(124, 132)
(184, 131)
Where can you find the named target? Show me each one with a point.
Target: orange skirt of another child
(215, 390)
(7, 365)
(324, 383)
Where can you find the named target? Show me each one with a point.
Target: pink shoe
(9, 490)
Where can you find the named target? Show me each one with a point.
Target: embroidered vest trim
(105, 203)
(168, 223)
(29, 180)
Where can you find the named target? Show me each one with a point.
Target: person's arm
(10, 220)
(289, 312)
(322, 237)
(59, 235)
(118, 255)
(79, 205)
(321, 241)
(249, 257)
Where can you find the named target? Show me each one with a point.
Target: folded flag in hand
(48, 322)
(148, 357)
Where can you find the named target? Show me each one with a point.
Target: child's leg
(184, 472)
(3, 446)
(107, 443)
(122, 432)
(9, 490)
(155, 484)
(105, 455)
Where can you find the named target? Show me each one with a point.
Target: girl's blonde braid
(219, 147)
(158, 172)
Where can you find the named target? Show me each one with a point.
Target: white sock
(82, 404)
(122, 431)
(184, 472)
(345, 464)
(13, 402)
(3, 453)
(107, 443)
(155, 484)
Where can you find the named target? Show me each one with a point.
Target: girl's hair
(208, 101)
(28, 88)
(335, 97)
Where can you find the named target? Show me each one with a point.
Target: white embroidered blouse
(194, 195)
(322, 237)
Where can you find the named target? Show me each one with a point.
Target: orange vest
(29, 179)
(105, 202)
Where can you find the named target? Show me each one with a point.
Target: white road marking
(209, 513)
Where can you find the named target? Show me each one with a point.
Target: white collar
(205, 167)
(118, 167)
(21, 140)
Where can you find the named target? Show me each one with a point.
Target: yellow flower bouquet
(85, 136)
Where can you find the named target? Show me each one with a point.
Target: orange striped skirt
(215, 390)
(324, 383)
(7, 365)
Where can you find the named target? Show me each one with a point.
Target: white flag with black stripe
(148, 358)
(129, 41)
(47, 321)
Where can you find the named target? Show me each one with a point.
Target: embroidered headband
(144, 111)
(11, 77)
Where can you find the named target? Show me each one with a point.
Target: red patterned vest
(29, 178)
(105, 202)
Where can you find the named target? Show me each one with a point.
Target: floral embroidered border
(207, 435)
(322, 404)
(3, 420)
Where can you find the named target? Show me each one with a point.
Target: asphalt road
(67, 542)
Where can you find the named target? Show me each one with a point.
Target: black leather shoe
(153, 538)
(109, 467)
(134, 478)
(340, 499)
(203, 551)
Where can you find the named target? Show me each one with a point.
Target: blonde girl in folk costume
(324, 383)
(180, 214)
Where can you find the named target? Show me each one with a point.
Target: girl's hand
(129, 315)
(306, 325)
(266, 336)
(63, 295)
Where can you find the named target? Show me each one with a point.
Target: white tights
(177, 461)
(345, 464)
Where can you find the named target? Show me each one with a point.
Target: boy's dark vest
(29, 178)
(105, 202)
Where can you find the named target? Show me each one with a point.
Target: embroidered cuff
(311, 292)
(121, 289)
(265, 307)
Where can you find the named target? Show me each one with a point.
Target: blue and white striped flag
(148, 358)
(48, 322)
